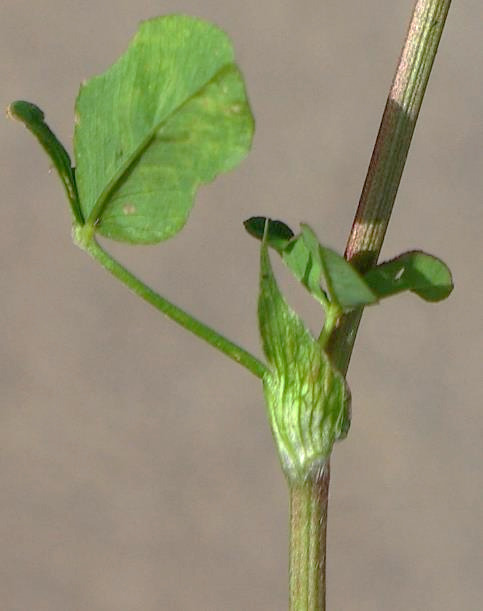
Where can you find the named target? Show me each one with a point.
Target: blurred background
(136, 465)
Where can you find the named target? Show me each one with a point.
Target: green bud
(308, 400)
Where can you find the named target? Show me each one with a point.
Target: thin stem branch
(363, 248)
(184, 319)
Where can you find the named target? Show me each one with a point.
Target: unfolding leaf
(345, 285)
(307, 399)
(170, 114)
(293, 250)
(34, 120)
(415, 271)
(315, 265)
(305, 267)
(277, 236)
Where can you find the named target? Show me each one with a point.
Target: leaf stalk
(84, 237)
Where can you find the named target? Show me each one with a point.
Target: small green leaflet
(415, 271)
(345, 286)
(315, 265)
(308, 400)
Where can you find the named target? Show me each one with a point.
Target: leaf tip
(275, 233)
(23, 111)
(8, 112)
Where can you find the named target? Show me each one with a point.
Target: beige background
(136, 467)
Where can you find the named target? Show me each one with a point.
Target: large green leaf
(415, 271)
(307, 399)
(170, 114)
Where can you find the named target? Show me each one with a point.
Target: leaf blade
(169, 115)
(415, 271)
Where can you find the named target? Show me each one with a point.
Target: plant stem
(308, 526)
(389, 156)
(83, 238)
(308, 503)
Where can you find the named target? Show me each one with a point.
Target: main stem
(389, 156)
(309, 501)
(308, 526)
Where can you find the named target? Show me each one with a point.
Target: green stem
(308, 525)
(332, 315)
(83, 237)
(309, 503)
